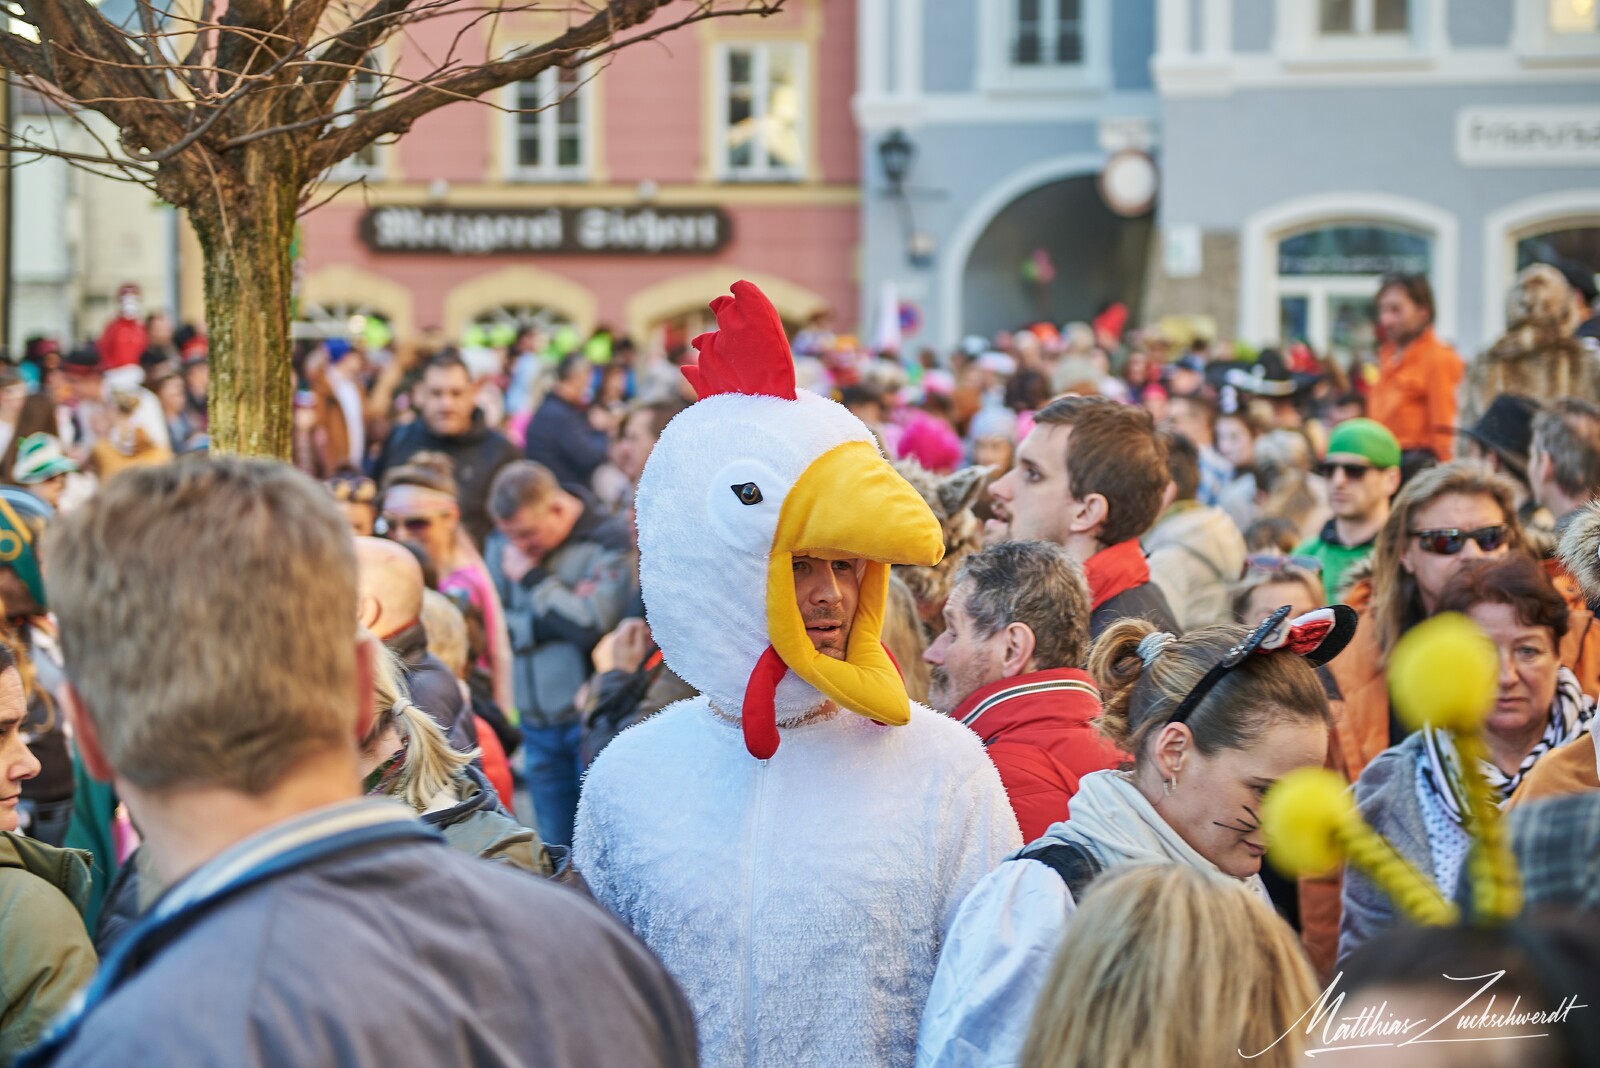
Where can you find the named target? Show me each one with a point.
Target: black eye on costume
(747, 492)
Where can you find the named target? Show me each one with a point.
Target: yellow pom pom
(1444, 673)
(1302, 814)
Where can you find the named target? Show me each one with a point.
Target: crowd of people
(770, 701)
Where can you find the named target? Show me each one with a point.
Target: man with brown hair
(1415, 395)
(304, 924)
(1090, 476)
(562, 574)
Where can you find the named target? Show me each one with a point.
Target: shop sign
(1528, 136)
(648, 231)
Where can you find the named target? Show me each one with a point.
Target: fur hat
(1541, 295)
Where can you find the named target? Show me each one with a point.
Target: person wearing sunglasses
(1413, 794)
(1362, 470)
(1443, 518)
(421, 507)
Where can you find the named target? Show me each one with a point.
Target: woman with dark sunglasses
(1444, 517)
(1414, 794)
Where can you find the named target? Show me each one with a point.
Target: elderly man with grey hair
(1010, 666)
(304, 924)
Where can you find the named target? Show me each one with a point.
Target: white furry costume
(801, 900)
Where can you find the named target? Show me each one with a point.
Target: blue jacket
(409, 953)
(558, 611)
(560, 437)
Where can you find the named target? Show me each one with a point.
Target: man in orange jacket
(1010, 666)
(1418, 375)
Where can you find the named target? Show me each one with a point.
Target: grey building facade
(1310, 146)
(1012, 109)
(1301, 149)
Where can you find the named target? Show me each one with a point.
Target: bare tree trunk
(245, 230)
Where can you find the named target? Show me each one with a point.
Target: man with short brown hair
(561, 571)
(1418, 373)
(304, 924)
(1090, 476)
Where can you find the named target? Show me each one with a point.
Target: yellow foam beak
(850, 504)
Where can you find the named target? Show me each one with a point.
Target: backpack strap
(1075, 864)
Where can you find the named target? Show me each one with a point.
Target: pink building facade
(656, 177)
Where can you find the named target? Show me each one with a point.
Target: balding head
(389, 587)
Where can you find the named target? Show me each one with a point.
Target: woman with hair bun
(1213, 719)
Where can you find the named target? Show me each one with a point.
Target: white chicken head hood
(741, 482)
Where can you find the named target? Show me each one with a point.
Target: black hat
(1506, 427)
(1580, 276)
(1267, 376)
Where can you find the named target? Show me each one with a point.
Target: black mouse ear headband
(1317, 636)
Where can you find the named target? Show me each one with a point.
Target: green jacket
(1337, 559)
(45, 954)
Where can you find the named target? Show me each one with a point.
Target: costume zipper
(753, 855)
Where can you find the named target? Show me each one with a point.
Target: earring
(1169, 785)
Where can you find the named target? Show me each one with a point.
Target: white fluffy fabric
(703, 555)
(800, 901)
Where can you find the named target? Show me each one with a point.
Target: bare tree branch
(616, 16)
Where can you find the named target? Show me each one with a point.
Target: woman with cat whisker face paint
(1212, 719)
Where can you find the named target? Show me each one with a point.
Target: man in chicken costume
(793, 842)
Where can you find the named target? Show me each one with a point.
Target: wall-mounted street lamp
(896, 152)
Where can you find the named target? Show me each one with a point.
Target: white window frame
(762, 170)
(549, 132)
(997, 22)
(1263, 230)
(1536, 42)
(349, 169)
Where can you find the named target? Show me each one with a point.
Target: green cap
(1367, 439)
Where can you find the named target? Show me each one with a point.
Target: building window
(359, 95)
(1363, 18)
(761, 121)
(1048, 32)
(1044, 46)
(1327, 282)
(1577, 242)
(1574, 16)
(547, 125)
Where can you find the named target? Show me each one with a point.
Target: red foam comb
(747, 353)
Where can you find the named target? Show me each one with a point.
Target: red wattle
(893, 661)
(759, 716)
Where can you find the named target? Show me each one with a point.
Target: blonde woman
(1166, 966)
(406, 756)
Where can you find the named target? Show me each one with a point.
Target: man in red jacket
(1009, 665)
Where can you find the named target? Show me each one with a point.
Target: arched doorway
(1055, 253)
